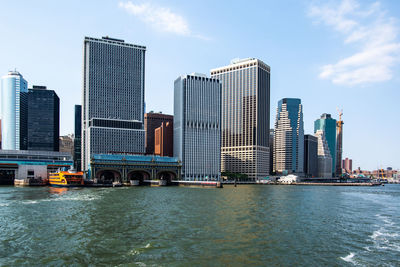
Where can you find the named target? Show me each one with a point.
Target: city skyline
(319, 44)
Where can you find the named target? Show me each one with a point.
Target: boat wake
(387, 237)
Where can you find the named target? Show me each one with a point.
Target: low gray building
(27, 165)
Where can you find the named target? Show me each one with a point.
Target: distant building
(151, 122)
(67, 144)
(13, 111)
(324, 156)
(310, 155)
(328, 126)
(289, 137)
(197, 126)
(245, 117)
(77, 138)
(163, 140)
(43, 122)
(113, 98)
(347, 165)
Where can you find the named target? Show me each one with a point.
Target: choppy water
(175, 226)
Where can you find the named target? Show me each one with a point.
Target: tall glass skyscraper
(245, 117)
(328, 126)
(197, 126)
(43, 119)
(289, 137)
(13, 111)
(77, 137)
(113, 97)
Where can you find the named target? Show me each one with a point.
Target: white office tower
(113, 98)
(13, 111)
(245, 117)
(197, 126)
(324, 156)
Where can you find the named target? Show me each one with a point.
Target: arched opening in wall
(138, 175)
(166, 175)
(108, 176)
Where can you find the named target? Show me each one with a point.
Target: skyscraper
(310, 155)
(245, 117)
(289, 137)
(197, 126)
(339, 144)
(43, 119)
(328, 126)
(113, 97)
(77, 137)
(13, 111)
(324, 156)
(271, 148)
(152, 121)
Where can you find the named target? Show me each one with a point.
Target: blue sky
(330, 54)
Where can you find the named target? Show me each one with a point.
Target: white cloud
(160, 18)
(371, 31)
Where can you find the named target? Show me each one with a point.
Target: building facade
(13, 111)
(43, 122)
(289, 137)
(163, 140)
(328, 125)
(245, 117)
(310, 155)
(197, 126)
(125, 168)
(67, 144)
(324, 156)
(77, 138)
(113, 98)
(347, 165)
(152, 121)
(271, 148)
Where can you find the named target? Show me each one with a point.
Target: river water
(248, 225)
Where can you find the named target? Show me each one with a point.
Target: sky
(342, 54)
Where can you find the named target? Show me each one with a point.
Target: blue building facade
(328, 125)
(13, 111)
(289, 137)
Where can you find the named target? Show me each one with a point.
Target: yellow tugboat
(66, 179)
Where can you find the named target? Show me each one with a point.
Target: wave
(349, 258)
(379, 233)
(134, 252)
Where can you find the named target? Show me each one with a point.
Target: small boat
(66, 179)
